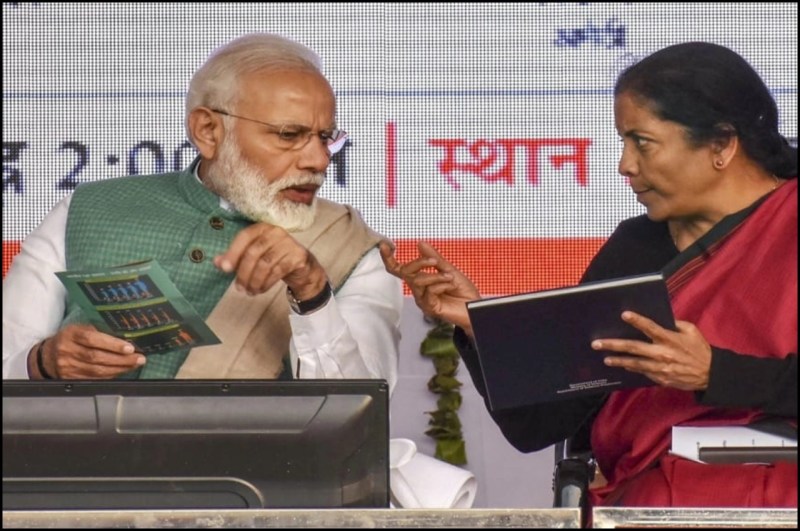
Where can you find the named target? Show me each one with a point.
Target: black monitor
(195, 444)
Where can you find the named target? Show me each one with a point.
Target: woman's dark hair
(715, 94)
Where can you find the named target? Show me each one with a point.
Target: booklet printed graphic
(139, 303)
(536, 347)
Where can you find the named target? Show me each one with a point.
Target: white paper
(421, 481)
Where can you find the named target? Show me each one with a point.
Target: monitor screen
(195, 444)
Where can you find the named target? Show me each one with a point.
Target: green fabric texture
(166, 217)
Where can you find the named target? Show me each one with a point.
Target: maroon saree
(738, 284)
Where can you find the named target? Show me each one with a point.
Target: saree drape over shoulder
(738, 284)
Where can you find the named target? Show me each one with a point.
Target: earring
(719, 163)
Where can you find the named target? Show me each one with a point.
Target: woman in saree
(703, 155)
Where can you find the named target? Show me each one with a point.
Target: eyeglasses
(295, 137)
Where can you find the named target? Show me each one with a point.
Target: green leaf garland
(445, 426)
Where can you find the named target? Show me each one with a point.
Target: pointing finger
(391, 264)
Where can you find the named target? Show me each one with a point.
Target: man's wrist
(307, 306)
(40, 361)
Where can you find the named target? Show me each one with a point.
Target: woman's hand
(680, 359)
(439, 288)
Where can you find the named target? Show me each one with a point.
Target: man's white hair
(216, 83)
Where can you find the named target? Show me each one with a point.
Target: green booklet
(139, 303)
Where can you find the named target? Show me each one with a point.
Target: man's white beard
(247, 189)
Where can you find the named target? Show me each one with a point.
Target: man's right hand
(80, 351)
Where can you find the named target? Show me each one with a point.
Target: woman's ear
(206, 130)
(724, 147)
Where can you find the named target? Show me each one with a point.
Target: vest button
(197, 255)
(217, 223)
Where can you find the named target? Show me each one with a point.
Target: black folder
(536, 347)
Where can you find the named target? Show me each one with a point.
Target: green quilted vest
(171, 218)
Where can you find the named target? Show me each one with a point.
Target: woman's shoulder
(638, 245)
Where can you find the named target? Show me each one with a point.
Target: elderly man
(293, 285)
